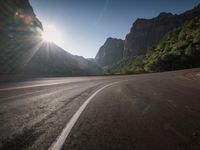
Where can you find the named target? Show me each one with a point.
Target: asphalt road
(139, 112)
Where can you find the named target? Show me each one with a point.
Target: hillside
(23, 51)
(145, 34)
(179, 49)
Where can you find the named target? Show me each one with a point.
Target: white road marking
(57, 145)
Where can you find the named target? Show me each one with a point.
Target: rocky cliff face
(18, 16)
(22, 50)
(20, 35)
(146, 33)
(110, 52)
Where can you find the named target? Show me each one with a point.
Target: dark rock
(110, 52)
(146, 33)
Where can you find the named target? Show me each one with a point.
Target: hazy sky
(86, 24)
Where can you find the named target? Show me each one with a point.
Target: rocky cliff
(146, 33)
(18, 21)
(22, 50)
(110, 52)
(178, 49)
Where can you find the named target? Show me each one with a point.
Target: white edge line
(57, 145)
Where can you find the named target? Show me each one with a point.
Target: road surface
(136, 112)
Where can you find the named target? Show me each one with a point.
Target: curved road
(139, 112)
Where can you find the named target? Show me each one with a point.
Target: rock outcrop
(110, 52)
(18, 21)
(146, 33)
(23, 51)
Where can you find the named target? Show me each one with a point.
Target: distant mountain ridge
(23, 51)
(146, 33)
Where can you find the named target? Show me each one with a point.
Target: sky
(84, 25)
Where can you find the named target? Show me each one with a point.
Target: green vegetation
(127, 66)
(179, 49)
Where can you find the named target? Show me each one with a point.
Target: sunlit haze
(84, 25)
(52, 34)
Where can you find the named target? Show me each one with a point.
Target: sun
(52, 34)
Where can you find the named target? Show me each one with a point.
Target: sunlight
(52, 34)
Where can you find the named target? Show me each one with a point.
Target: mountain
(23, 51)
(51, 59)
(110, 52)
(178, 49)
(146, 33)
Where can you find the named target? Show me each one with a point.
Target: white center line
(57, 145)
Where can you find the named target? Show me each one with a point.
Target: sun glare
(52, 34)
